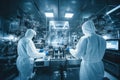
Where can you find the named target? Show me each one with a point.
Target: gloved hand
(41, 50)
(68, 49)
(46, 52)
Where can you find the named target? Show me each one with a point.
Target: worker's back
(22, 47)
(95, 48)
(92, 67)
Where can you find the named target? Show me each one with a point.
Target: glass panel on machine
(58, 33)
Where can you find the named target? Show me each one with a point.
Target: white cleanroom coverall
(26, 54)
(90, 48)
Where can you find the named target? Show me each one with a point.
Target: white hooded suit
(90, 48)
(26, 54)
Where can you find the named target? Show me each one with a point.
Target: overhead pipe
(112, 10)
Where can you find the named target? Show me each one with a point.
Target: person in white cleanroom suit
(90, 48)
(26, 54)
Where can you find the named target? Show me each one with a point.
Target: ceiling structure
(82, 9)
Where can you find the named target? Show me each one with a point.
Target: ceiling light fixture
(113, 10)
(49, 14)
(69, 15)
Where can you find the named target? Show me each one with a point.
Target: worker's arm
(32, 51)
(80, 48)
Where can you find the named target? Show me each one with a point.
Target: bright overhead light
(113, 10)
(68, 15)
(49, 14)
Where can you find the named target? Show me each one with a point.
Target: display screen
(112, 45)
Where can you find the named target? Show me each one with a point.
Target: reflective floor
(106, 75)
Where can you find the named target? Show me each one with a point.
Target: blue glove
(46, 52)
(41, 50)
(68, 49)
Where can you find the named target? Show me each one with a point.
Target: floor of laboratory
(111, 77)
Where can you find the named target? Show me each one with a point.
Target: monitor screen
(112, 45)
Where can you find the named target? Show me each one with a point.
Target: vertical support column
(46, 26)
(118, 33)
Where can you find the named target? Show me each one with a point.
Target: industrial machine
(8, 55)
(59, 33)
(112, 57)
(59, 63)
(57, 66)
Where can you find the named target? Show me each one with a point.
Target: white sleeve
(80, 48)
(32, 51)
